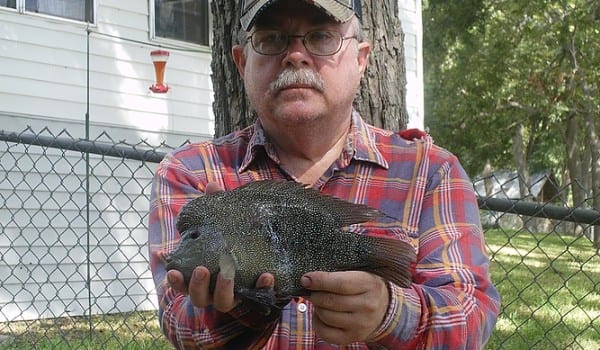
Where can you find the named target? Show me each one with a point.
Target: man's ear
(239, 58)
(364, 49)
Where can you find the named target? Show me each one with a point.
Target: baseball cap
(340, 10)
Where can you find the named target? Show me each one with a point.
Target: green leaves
(491, 65)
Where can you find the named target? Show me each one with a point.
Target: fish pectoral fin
(262, 300)
(228, 265)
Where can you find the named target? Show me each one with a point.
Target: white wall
(43, 69)
(47, 247)
(44, 237)
(411, 19)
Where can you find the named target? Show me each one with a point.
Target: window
(79, 10)
(9, 3)
(185, 20)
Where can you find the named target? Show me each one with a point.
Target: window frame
(176, 42)
(21, 9)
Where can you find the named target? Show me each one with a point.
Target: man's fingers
(199, 287)
(224, 298)
(333, 335)
(266, 280)
(345, 282)
(213, 187)
(176, 281)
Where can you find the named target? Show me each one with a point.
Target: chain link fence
(74, 265)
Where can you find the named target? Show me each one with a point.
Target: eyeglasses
(317, 42)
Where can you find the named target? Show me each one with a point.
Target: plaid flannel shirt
(452, 303)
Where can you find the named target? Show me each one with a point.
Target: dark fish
(287, 230)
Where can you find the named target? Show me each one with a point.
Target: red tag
(411, 134)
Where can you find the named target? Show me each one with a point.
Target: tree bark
(593, 143)
(488, 180)
(574, 160)
(521, 162)
(231, 107)
(382, 94)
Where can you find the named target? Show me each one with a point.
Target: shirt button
(302, 307)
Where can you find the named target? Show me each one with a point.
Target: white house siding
(43, 67)
(409, 12)
(44, 246)
(44, 73)
(45, 250)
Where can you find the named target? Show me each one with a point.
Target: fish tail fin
(393, 259)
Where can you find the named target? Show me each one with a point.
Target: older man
(301, 62)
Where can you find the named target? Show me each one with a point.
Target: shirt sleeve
(452, 303)
(186, 326)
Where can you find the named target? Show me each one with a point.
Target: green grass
(550, 288)
(128, 331)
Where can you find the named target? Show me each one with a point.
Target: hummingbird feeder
(159, 59)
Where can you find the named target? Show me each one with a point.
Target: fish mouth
(171, 263)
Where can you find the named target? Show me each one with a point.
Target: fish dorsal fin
(291, 193)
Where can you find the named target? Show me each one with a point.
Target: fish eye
(194, 234)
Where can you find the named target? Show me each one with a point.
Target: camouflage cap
(340, 10)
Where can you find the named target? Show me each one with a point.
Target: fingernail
(306, 281)
(198, 275)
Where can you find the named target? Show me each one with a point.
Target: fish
(286, 229)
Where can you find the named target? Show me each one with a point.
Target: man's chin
(295, 113)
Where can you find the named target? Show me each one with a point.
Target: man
(302, 62)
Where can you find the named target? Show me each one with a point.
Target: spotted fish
(286, 229)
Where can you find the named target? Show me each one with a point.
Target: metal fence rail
(74, 267)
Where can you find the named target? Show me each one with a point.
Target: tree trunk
(488, 179)
(382, 95)
(574, 160)
(593, 144)
(231, 107)
(521, 161)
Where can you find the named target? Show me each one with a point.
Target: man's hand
(348, 306)
(223, 298)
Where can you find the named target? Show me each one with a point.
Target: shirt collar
(363, 143)
(360, 145)
(258, 141)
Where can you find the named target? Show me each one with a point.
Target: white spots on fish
(283, 258)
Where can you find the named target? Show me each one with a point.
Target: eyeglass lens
(274, 42)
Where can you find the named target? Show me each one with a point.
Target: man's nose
(296, 54)
(296, 43)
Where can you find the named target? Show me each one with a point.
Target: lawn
(550, 288)
(128, 331)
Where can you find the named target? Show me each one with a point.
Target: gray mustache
(298, 76)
